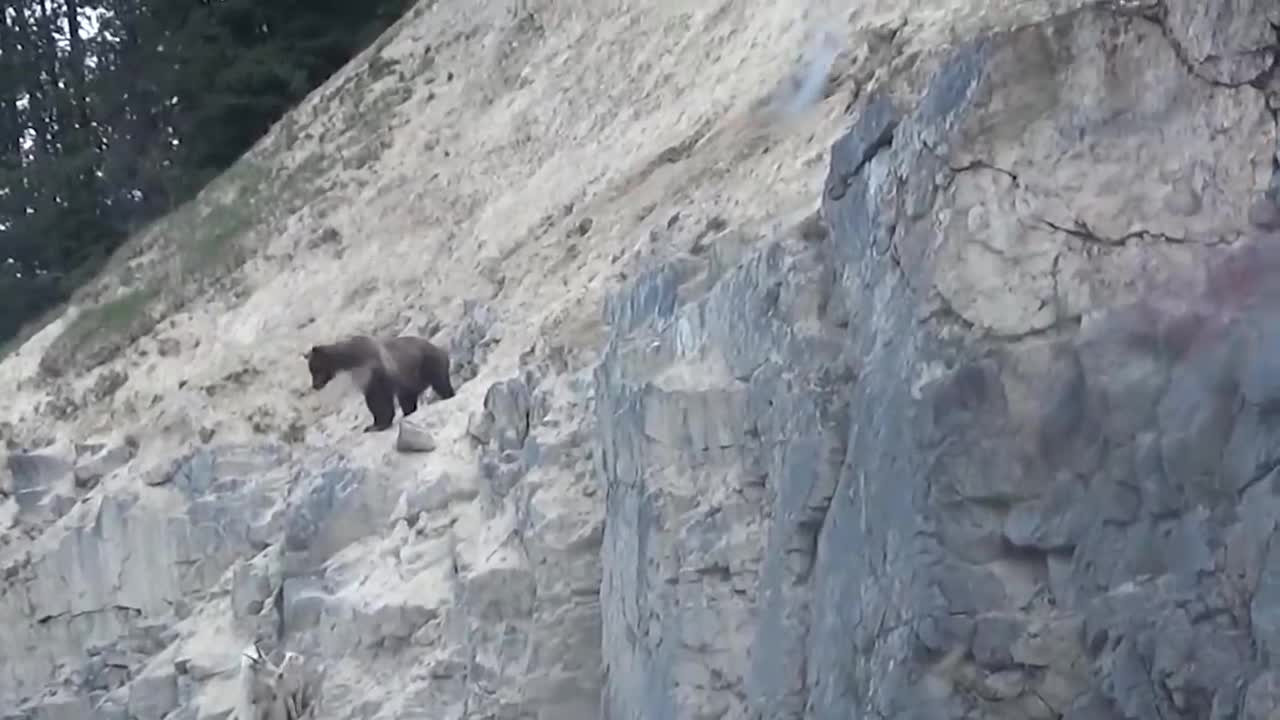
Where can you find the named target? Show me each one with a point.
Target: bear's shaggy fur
(386, 370)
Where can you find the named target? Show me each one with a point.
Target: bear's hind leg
(408, 402)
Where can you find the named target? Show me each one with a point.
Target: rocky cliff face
(997, 444)
(989, 433)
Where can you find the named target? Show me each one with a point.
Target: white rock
(413, 438)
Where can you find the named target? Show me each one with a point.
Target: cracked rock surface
(1003, 443)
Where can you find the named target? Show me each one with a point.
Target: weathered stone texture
(122, 563)
(997, 446)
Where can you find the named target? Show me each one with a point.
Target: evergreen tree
(113, 112)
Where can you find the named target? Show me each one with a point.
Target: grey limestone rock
(96, 464)
(1032, 471)
(99, 599)
(331, 509)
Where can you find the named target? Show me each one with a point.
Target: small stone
(102, 463)
(157, 476)
(1003, 685)
(582, 227)
(413, 438)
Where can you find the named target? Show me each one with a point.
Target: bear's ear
(314, 352)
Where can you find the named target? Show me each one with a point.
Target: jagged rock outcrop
(102, 591)
(997, 446)
(475, 597)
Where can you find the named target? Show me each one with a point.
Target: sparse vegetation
(100, 332)
(207, 237)
(204, 241)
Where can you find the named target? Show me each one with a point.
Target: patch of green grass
(203, 238)
(293, 189)
(202, 241)
(120, 313)
(99, 333)
(212, 239)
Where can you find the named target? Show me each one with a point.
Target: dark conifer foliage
(113, 112)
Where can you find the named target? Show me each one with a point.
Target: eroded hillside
(776, 337)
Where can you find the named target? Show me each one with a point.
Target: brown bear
(386, 370)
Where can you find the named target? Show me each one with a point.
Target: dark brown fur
(387, 370)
